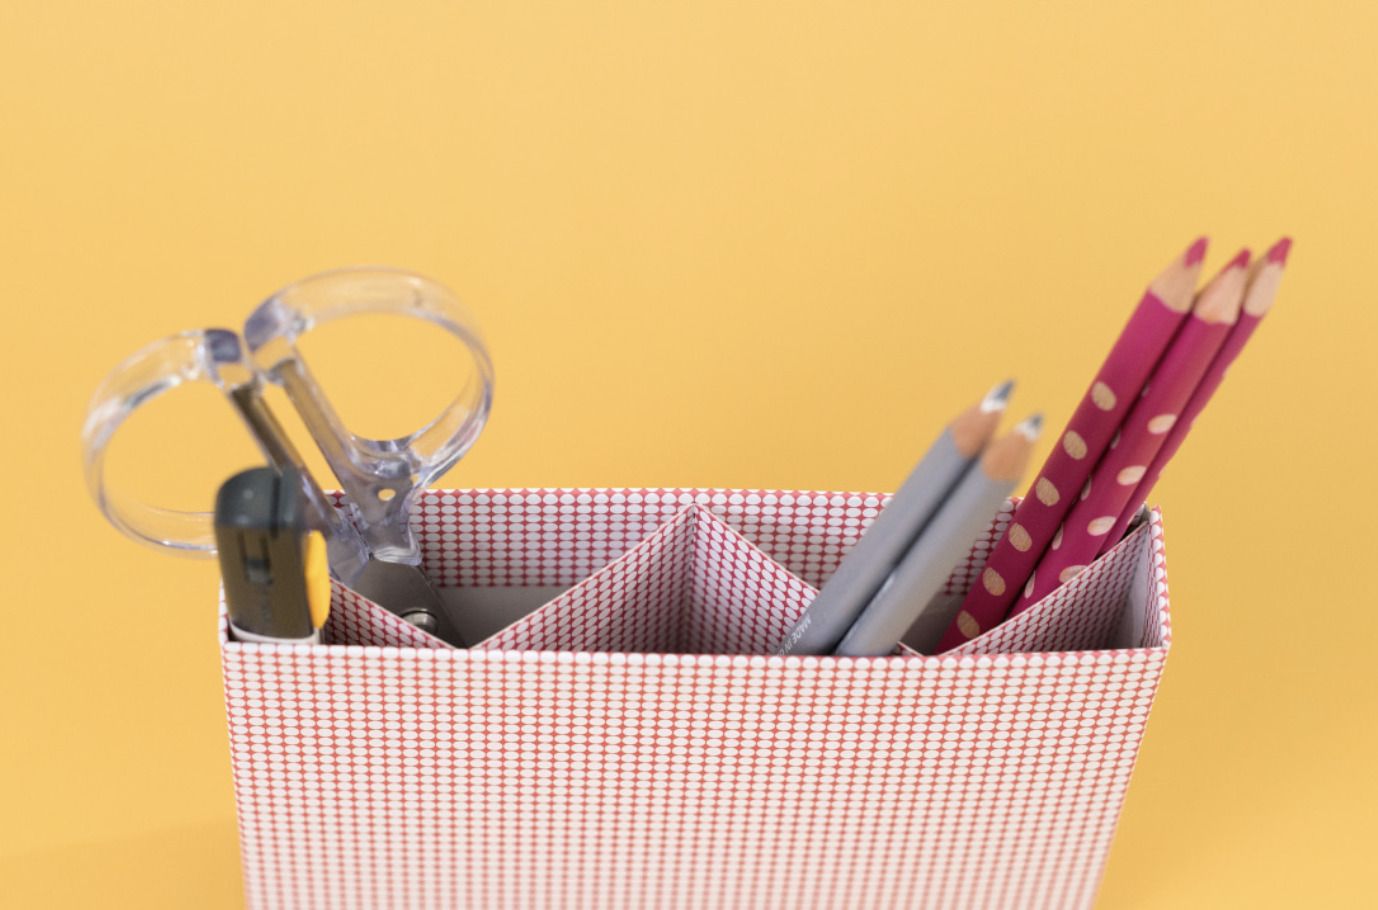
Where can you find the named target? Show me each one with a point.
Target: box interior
(705, 572)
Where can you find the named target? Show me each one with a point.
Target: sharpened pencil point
(1196, 252)
(1278, 252)
(1265, 278)
(1030, 427)
(1175, 285)
(1221, 298)
(998, 397)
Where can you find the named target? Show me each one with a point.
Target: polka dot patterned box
(623, 738)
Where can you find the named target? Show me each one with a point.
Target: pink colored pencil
(1141, 343)
(1145, 430)
(1258, 300)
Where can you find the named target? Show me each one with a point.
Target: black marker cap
(260, 530)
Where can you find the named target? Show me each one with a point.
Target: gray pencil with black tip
(865, 567)
(906, 598)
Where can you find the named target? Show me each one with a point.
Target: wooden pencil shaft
(900, 604)
(866, 566)
(1264, 280)
(1145, 430)
(1234, 343)
(1140, 345)
(924, 569)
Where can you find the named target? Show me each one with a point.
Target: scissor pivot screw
(422, 619)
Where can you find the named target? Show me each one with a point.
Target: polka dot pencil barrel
(1141, 343)
(1258, 300)
(1143, 434)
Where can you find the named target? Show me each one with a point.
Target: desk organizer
(629, 741)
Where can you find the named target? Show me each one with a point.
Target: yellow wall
(720, 244)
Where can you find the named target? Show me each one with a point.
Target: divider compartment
(695, 586)
(684, 571)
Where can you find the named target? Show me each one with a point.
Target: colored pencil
(1140, 345)
(1145, 430)
(1262, 290)
(906, 598)
(865, 567)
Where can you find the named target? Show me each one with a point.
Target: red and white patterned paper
(645, 762)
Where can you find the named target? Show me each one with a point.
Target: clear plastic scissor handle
(203, 355)
(380, 476)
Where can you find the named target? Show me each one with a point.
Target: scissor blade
(405, 590)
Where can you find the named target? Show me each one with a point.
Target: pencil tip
(998, 397)
(1196, 252)
(1221, 299)
(1278, 252)
(1174, 286)
(1030, 427)
(1265, 279)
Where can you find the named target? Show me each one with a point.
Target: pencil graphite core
(1142, 342)
(865, 567)
(905, 602)
(1157, 411)
(1265, 276)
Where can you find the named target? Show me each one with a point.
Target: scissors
(370, 545)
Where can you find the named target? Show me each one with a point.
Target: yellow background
(726, 244)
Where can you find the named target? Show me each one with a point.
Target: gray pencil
(865, 568)
(907, 597)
